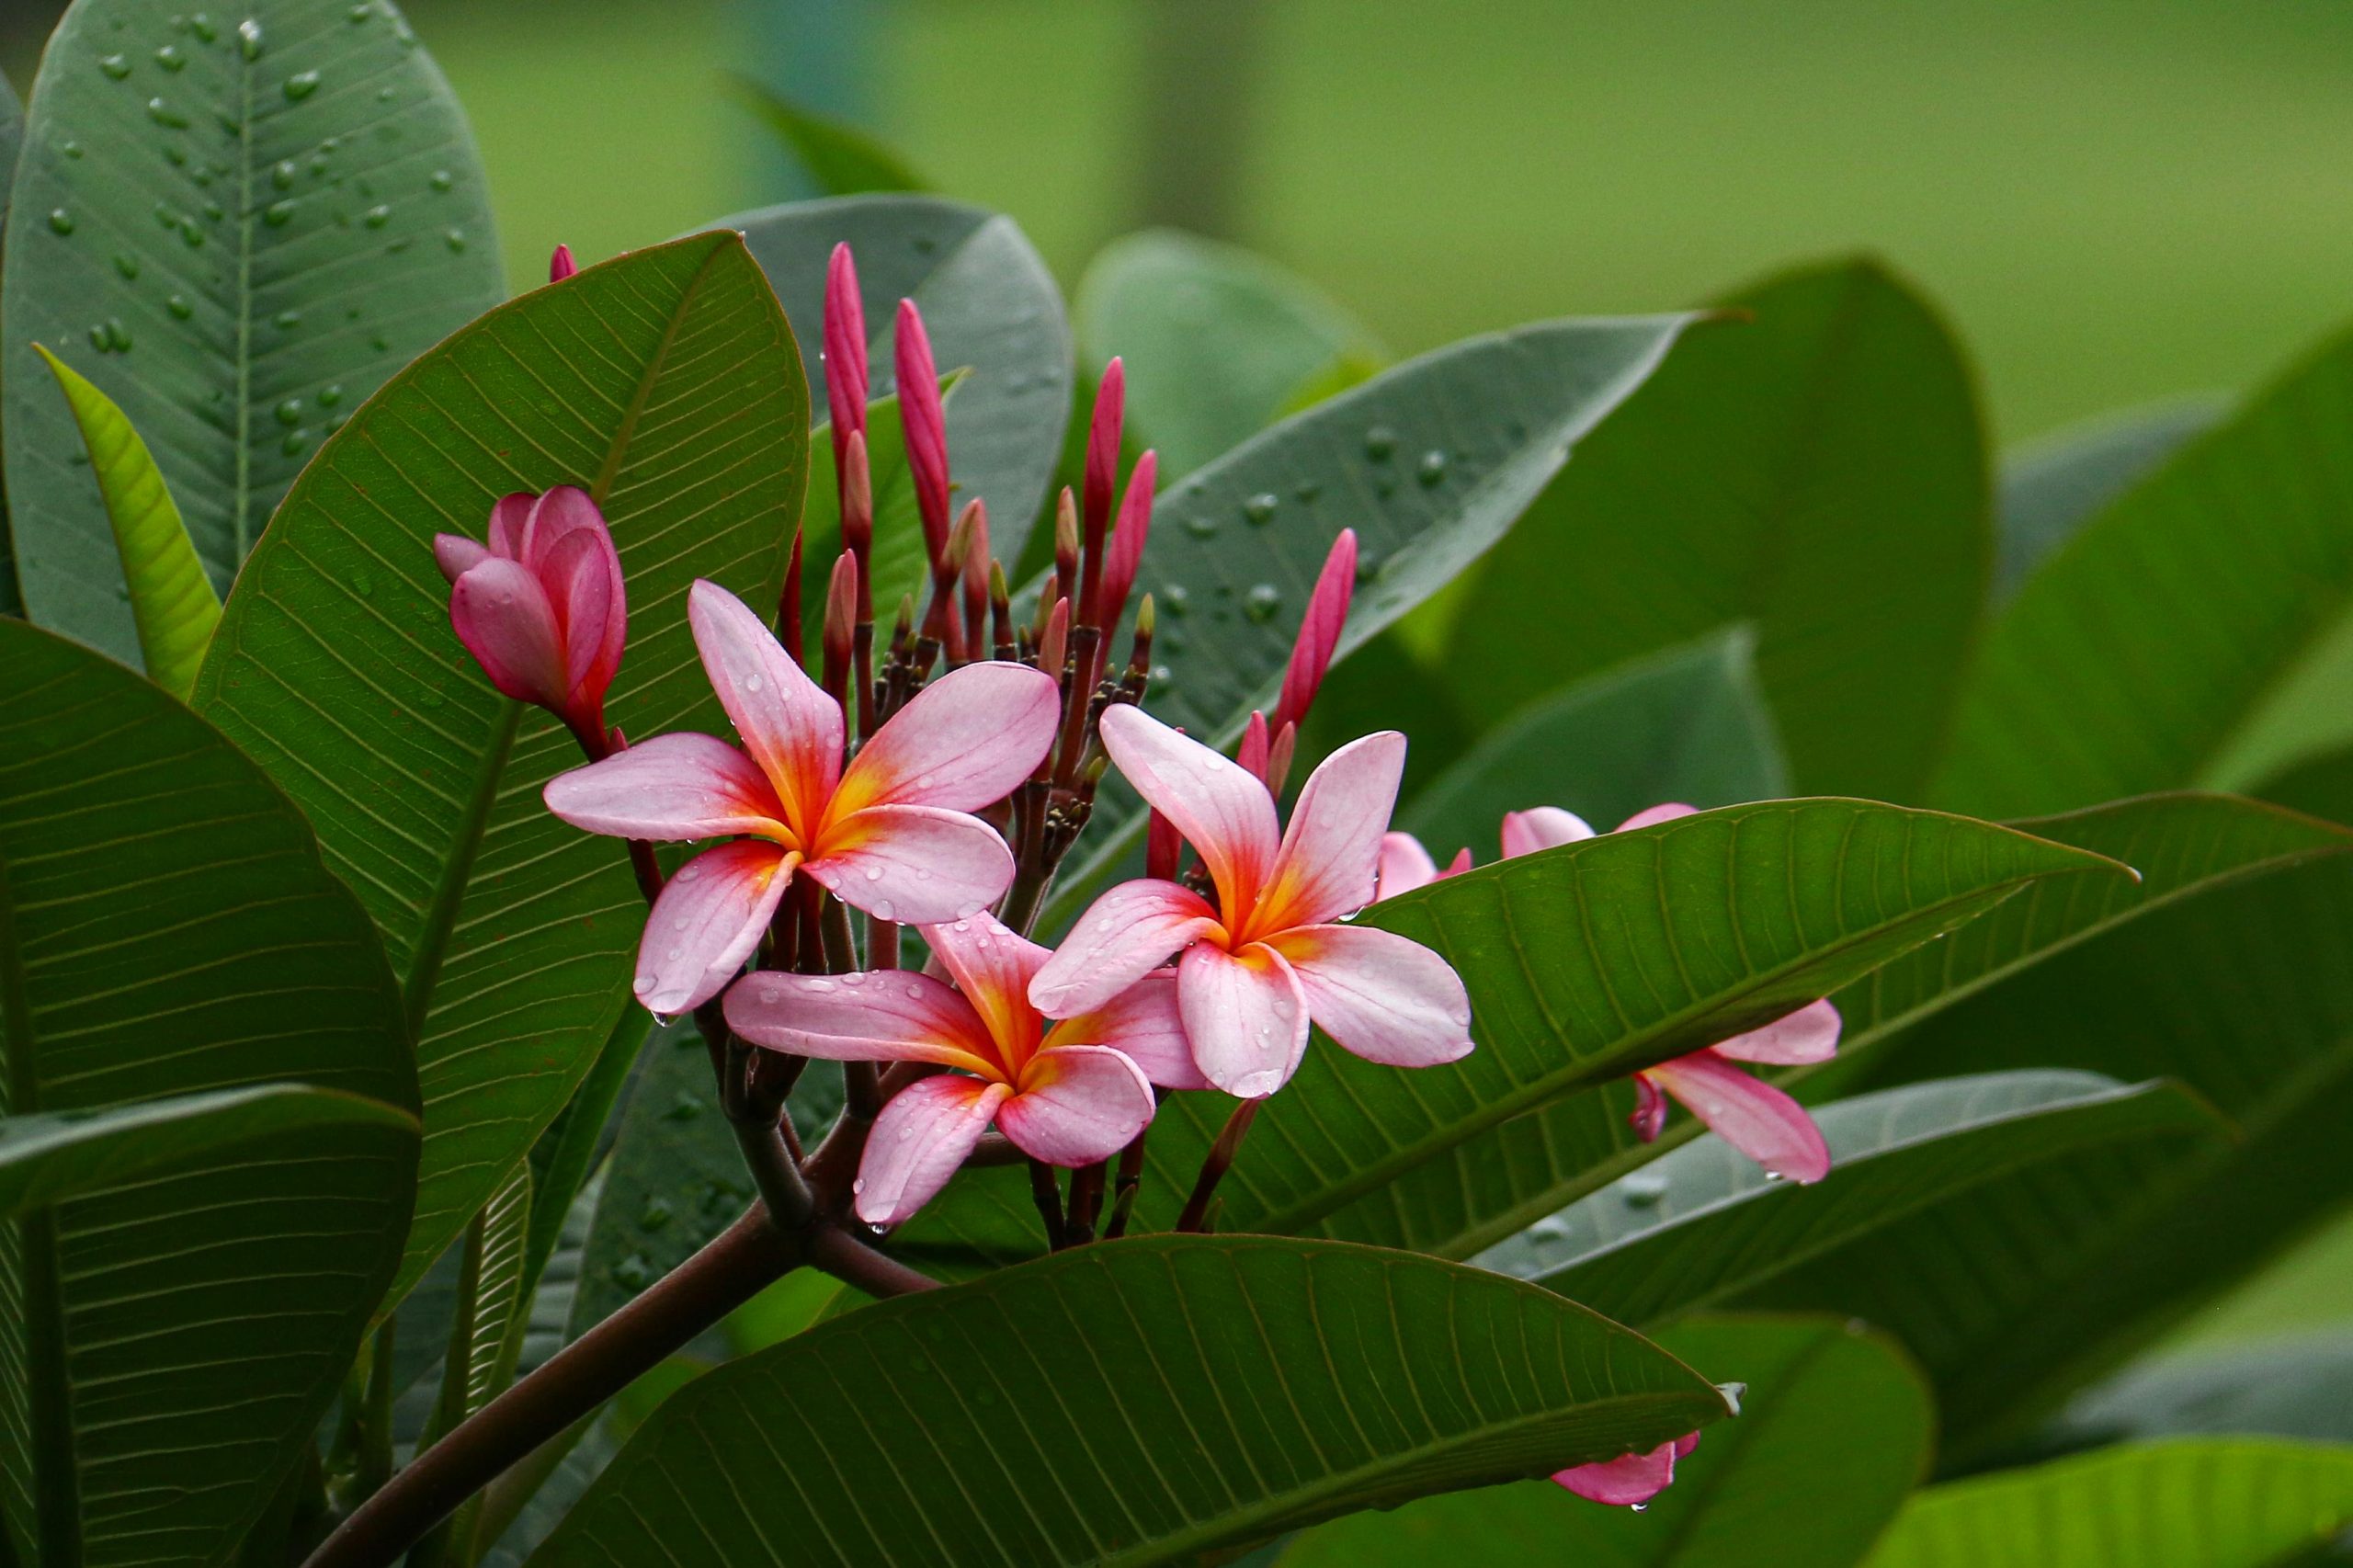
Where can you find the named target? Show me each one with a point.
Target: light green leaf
(1140, 1450)
(2058, 484)
(172, 601)
(1216, 340)
(840, 159)
(1834, 1431)
(667, 383)
(2248, 1503)
(250, 219)
(988, 303)
(1819, 472)
(166, 929)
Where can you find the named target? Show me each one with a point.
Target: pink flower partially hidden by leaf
(541, 607)
(1268, 956)
(1630, 1479)
(890, 833)
(1069, 1093)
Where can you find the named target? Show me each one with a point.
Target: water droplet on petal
(882, 909)
(752, 683)
(873, 873)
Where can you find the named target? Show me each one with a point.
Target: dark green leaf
(2218, 1503)
(569, 1150)
(1216, 340)
(12, 135)
(166, 929)
(989, 305)
(248, 222)
(1230, 1390)
(840, 160)
(2299, 1387)
(667, 383)
(1834, 1431)
(1818, 471)
(2055, 486)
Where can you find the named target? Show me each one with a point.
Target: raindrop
(98, 337)
(914, 991)
(361, 13)
(654, 1215)
(1379, 442)
(1433, 467)
(190, 234)
(60, 222)
(684, 1106)
(215, 212)
(1173, 598)
(277, 215)
(385, 95)
(441, 180)
(174, 156)
(1163, 680)
(296, 440)
(166, 215)
(363, 584)
(1385, 489)
(1640, 1507)
(873, 873)
(127, 265)
(1643, 1189)
(455, 239)
(117, 67)
(290, 413)
(288, 321)
(1309, 491)
(633, 1273)
(751, 683)
(205, 28)
(300, 86)
(1259, 508)
(170, 58)
(179, 307)
(331, 395)
(1368, 567)
(1261, 602)
(282, 174)
(71, 149)
(1200, 527)
(164, 114)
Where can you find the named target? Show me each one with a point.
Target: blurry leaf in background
(1386, 685)
(246, 222)
(2195, 633)
(1218, 342)
(12, 134)
(2060, 483)
(2294, 1387)
(988, 305)
(567, 1154)
(172, 601)
(1130, 1453)
(1690, 725)
(2212, 1503)
(177, 1336)
(667, 382)
(1834, 1431)
(839, 159)
(1818, 471)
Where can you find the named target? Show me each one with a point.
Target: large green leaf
(12, 134)
(1834, 1431)
(989, 305)
(2056, 485)
(252, 220)
(1216, 340)
(1229, 1391)
(1430, 463)
(667, 383)
(1703, 1224)
(2295, 1387)
(1819, 472)
(2214, 1503)
(168, 1341)
(2194, 633)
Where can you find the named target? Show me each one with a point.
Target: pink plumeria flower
(890, 833)
(1267, 956)
(541, 607)
(1069, 1093)
(1630, 1479)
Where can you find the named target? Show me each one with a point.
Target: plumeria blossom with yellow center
(1268, 956)
(890, 833)
(1070, 1092)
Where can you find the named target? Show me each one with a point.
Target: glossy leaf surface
(2055, 486)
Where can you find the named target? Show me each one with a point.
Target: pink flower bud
(1103, 454)
(1162, 845)
(543, 609)
(1128, 539)
(845, 378)
(561, 265)
(1053, 647)
(1318, 630)
(925, 425)
(1252, 752)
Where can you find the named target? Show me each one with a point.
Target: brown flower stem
(1131, 1179)
(1047, 1194)
(1215, 1163)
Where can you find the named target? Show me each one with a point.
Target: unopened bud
(925, 425)
(1054, 645)
(845, 375)
(1318, 630)
(1252, 752)
(1278, 756)
(1162, 846)
(1128, 539)
(1066, 545)
(971, 528)
(1103, 449)
(561, 265)
(841, 620)
(1140, 657)
(857, 496)
(1001, 609)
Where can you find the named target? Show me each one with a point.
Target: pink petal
(963, 743)
(1649, 1118)
(581, 589)
(788, 723)
(1753, 1117)
(1143, 1024)
(884, 1016)
(1331, 853)
(455, 554)
(1221, 807)
(1653, 815)
(1075, 1105)
(509, 517)
(673, 787)
(993, 968)
(1385, 997)
(1794, 1040)
(1245, 1015)
(556, 516)
(919, 1141)
(707, 922)
(918, 865)
(1631, 1480)
(503, 617)
(1405, 866)
(1124, 935)
(1318, 630)
(1541, 827)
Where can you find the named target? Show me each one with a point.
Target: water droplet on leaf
(1259, 508)
(170, 58)
(117, 67)
(1379, 442)
(60, 222)
(300, 86)
(1433, 467)
(1261, 603)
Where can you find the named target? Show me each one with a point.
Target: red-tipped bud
(1066, 545)
(841, 618)
(925, 424)
(845, 351)
(1053, 647)
(1001, 608)
(1103, 448)
(1279, 755)
(976, 576)
(541, 607)
(1162, 845)
(1318, 630)
(788, 605)
(1128, 539)
(1140, 657)
(971, 527)
(1252, 752)
(858, 496)
(561, 265)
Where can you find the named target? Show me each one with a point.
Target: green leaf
(12, 136)
(1231, 1390)
(1834, 1431)
(253, 220)
(2056, 485)
(1703, 1225)
(493, 1302)
(172, 601)
(988, 304)
(46, 1158)
(1430, 463)
(840, 159)
(2247, 1502)
(2295, 1387)
(1818, 471)
(166, 929)
(667, 383)
(1216, 340)
(565, 1154)
(2195, 633)
(1690, 725)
